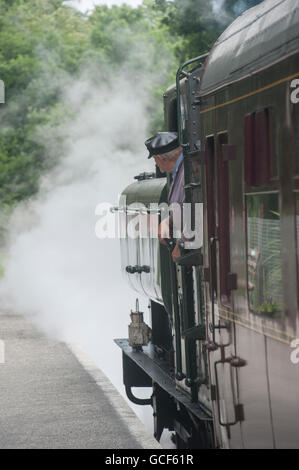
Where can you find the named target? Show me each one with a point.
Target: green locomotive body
(221, 361)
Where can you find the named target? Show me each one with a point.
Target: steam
(218, 7)
(223, 15)
(219, 12)
(57, 272)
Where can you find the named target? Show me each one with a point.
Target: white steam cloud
(222, 15)
(57, 272)
(217, 6)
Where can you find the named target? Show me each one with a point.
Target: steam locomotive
(219, 359)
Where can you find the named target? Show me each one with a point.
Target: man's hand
(176, 252)
(163, 232)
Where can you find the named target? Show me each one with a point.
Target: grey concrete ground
(49, 400)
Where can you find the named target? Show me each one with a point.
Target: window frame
(250, 309)
(251, 155)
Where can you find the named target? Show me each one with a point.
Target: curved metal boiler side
(140, 248)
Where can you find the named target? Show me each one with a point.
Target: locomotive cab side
(177, 367)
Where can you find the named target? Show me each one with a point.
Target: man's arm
(176, 252)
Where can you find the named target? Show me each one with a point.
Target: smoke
(243, 5)
(57, 272)
(227, 13)
(220, 12)
(217, 6)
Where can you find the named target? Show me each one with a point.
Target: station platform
(53, 397)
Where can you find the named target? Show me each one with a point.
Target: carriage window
(264, 271)
(260, 166)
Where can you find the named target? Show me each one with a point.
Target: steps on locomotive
(145, 367)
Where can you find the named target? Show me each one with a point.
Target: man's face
(165, 165)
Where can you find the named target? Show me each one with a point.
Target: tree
(44, 42)
(197, 22)
(29, 31)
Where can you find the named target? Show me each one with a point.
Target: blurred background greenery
(43, 42)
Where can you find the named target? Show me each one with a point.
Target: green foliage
(270, 309)
(196, 24)
(43, 42)
(40, 41)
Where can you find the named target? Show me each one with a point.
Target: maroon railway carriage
(250, 132)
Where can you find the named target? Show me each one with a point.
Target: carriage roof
(260, 36)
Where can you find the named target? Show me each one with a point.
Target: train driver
(168, 154)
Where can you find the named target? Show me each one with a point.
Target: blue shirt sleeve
(177, 164)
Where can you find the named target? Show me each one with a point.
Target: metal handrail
(133, 210)
(181, 72)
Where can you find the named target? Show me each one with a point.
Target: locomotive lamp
(139, 332)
